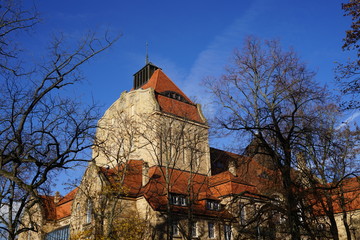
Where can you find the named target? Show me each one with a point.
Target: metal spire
(147, 54)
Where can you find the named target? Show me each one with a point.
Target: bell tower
(143, 75)
(154, 122)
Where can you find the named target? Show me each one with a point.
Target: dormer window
(213, 205)
(174, 95)
(178, 200)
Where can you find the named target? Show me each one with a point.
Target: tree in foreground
(270, 96)
(348, 73)
(42, 130)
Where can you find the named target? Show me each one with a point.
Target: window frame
(242, 213)
(227, 231)
(175, 230)
(213, 205)
(88, 211)
(178, 200)
(194, 230)
(211, 230)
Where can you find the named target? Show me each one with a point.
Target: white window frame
(212, 205)
(178, 200)
(183, 201)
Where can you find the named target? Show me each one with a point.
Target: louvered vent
(143, 75)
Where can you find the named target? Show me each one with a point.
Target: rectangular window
(211, 230)
(175, 229)
(179, 200)
(176, 200)
(88, 211)
(227, 231)
(194, 230)
(242, 213)
(183, 201)
(212, 205)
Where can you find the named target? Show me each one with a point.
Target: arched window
(78, 210)
(88, 211)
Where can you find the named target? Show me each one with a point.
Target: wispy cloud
(211, 61)
(350, 119)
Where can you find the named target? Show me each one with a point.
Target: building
(154, 176)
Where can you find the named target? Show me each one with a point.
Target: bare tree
(178, 147)
(333, 161)
(348, 73)
(269, 94)
(42, 131)
(115, 145)
(14, 21)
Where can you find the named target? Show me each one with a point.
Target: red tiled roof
(132, 179)
(248, 172)
(249, 181)
(178, 108)
(183, 183)
(224, 184)
(348, 191)
(161, 84)
(59, 210)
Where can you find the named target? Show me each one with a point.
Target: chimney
(57, 197)
(232, 167)
(145, 173)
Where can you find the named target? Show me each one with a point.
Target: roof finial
(147, 54)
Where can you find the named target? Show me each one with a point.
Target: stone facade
(153, 175)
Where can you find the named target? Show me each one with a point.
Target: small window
(242, 213)
(183, 201)
(212, 205)
(175, 229)
(78, 211)
(227, 231)
(211, 229)
(88, 211)
(194, 232)
(178, 200)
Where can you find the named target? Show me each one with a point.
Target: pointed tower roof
(170, 98)
(162, 84)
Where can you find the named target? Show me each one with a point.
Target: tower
(154, 122)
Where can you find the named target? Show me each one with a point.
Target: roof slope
(162, 83)
(171, 99)
(61, 209)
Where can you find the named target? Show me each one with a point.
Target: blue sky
(191, 40)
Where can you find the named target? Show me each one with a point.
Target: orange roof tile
(156, 194)
(161, 84)
(178, 108)
(132, 179)
(348, 191)
(59, 210)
